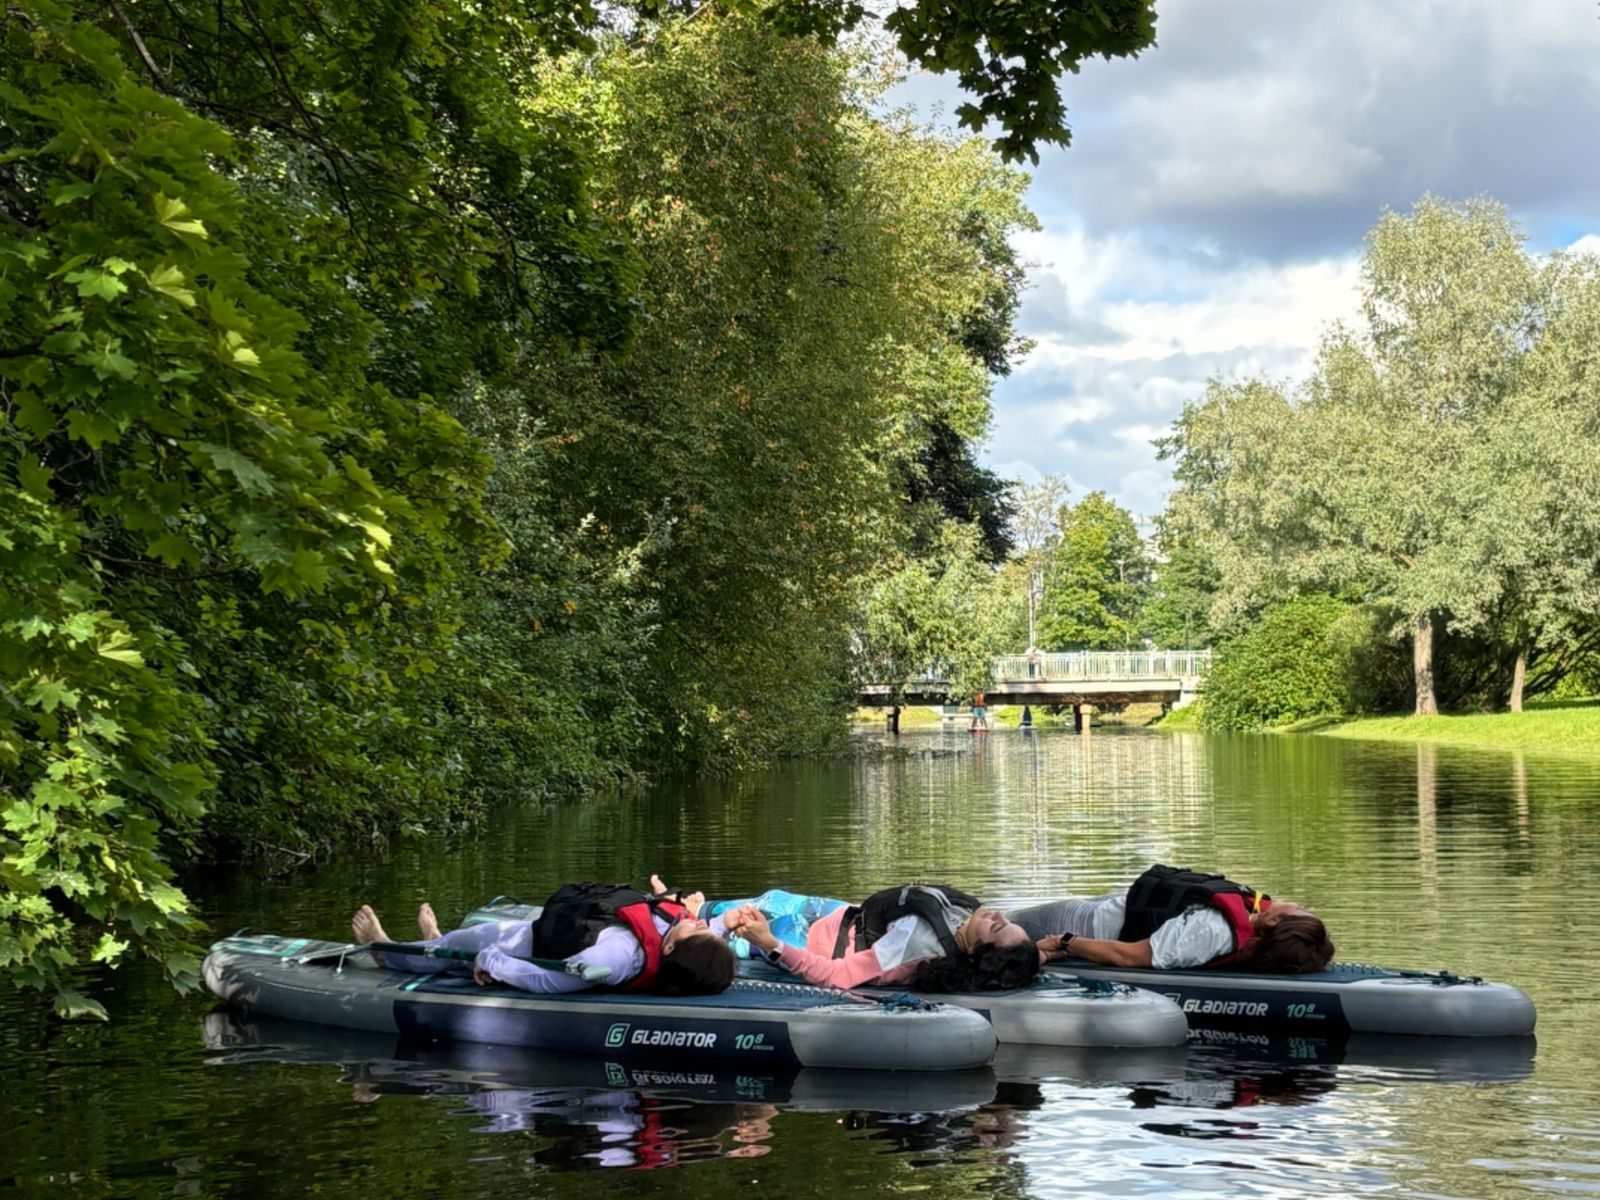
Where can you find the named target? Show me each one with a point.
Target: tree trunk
(1422, 665)
(1519, 675)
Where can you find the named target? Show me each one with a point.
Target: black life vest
(870, 920)
(1162, 893)
(575, 916)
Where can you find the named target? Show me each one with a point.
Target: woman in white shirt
(1174, 919)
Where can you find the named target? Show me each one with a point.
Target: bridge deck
(1083, 677)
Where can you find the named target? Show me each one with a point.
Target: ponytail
(1295, 944)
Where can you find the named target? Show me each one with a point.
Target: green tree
(1094, 578)
(1373, 477)
(1536, 532)
(1176, 609)
(950, 613)
(1038, 507)
(1309, 656)
(175, 467)
(810, 274)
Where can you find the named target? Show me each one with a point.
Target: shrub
(1310, 656)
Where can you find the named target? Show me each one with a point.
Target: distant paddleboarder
(980, 714)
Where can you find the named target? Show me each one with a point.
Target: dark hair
(697, 966)
(989, 968)
(1292, 945)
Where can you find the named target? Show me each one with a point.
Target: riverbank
(1556, 726)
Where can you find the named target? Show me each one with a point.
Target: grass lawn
(912, 716)
(1567, 726)
(1187, 717)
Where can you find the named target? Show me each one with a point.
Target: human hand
(481, 977)
(752, 926)
(656, 886)
(1049, 945)
(693, 901)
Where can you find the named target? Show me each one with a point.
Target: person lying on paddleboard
(930, 937)
(1171, 919)
(637, 941)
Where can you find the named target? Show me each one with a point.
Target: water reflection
(1480, 862)
(590, 1113)
(597, 1113)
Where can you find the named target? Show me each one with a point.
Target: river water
(1483, 863)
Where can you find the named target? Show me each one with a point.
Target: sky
(1207, 220)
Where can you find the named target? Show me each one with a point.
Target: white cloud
(1208, 218)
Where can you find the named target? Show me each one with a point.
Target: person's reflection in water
(616, 1129)
(940, 1136)
(1219, 1079)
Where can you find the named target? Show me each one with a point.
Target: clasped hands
(1050, 948)
(750, 923)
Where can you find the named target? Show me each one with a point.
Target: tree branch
(138, 44)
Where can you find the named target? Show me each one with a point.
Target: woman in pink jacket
(929, 937)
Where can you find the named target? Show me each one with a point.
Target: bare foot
(366, 927)
(427, 923)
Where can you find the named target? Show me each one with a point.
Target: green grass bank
(1560, 726)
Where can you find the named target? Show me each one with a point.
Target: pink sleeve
(853, 970)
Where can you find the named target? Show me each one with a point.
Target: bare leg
(366, 927)
(427, 923)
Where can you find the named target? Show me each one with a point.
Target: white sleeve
(1190, 939)
(616, 949)
(891, 947)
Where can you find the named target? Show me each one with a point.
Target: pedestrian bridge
(1099, 677)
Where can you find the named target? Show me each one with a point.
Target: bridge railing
(1102, 664)
(1092, 666)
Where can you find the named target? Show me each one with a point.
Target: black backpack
(871, 919)
(576, 914)
(1162, 893)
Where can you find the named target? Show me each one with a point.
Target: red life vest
(637, 918)
(1236, 908)
(575, 916)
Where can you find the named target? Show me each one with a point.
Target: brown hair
(697, 966)
(1294, 944)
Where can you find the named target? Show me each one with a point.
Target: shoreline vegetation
(1570, 727)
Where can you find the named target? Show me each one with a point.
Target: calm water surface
(1484, 863)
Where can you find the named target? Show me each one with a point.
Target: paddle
(587, 972)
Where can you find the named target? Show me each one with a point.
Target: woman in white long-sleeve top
(622, 937)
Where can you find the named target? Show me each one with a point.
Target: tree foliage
(1094, 579)
(1435, 464)
(406, 409)
(950, 613)
(175, 468)
(1309, 656)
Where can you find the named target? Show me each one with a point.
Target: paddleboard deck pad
(1055, 1011)
(754, 1021)
(1346, 998)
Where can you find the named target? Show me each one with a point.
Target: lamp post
(1035, 594)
